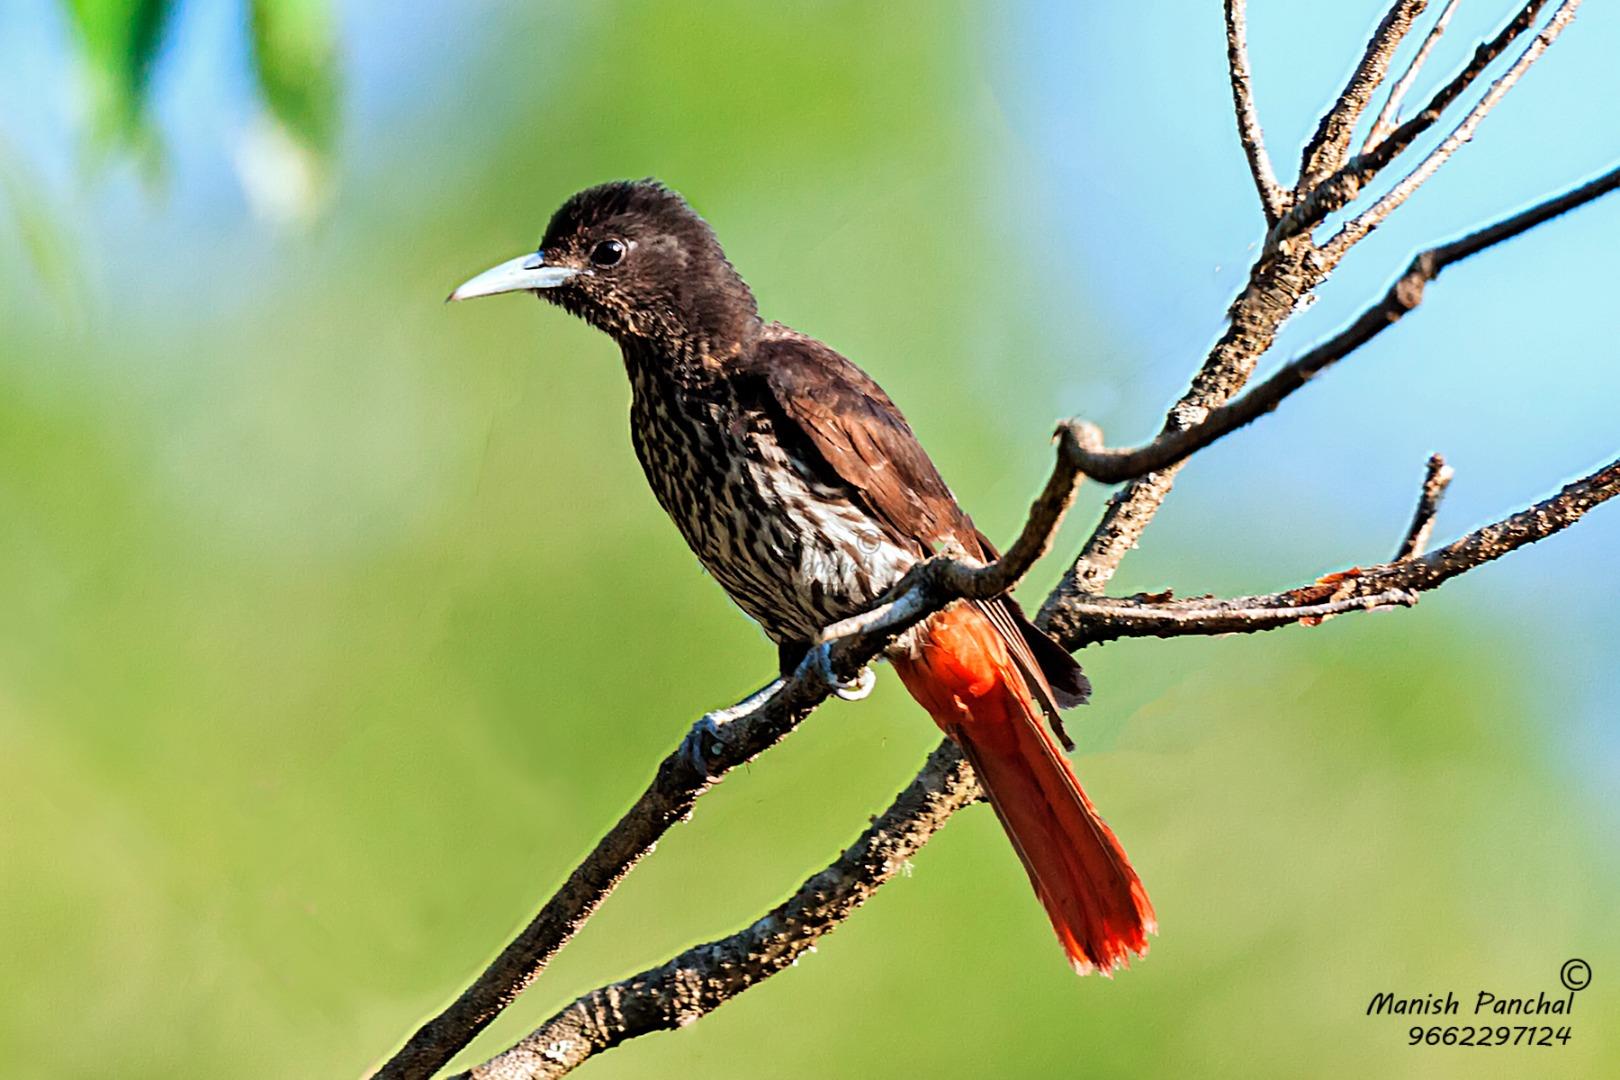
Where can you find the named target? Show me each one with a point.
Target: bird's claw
(702, 745)
(853, 690)
(705, 746)
(858, 687)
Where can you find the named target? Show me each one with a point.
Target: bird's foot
(853, 690)
(859, 687)
(706, 744)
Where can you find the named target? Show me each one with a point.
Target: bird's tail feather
(960, 671)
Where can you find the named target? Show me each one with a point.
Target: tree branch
(1273, 196)
(1107, 618)
(1288, 268)
(1392, 584)
(1403, 295)
(1278, 282)
(1352, 232)
(1341, 188)
(703, 978)
(1424, 572)
(1389, 115)
(1167, 452)
(1435, 481)
(724, 740)
(1326, 150)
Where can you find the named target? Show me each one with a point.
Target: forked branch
(1402, 296)
(1339, 189)
(1369, 219)
(1390, 114)
(704, 977)
(1326, 150)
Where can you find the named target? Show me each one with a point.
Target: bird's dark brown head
(633, 259)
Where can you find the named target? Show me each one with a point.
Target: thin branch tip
(1437, 477)
(1274, 197)
(1325, 151)
(1389, 115)
(1354, 230)
(1325, 191)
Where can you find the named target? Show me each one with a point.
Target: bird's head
(634, 260)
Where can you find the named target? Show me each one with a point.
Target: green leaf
(294, 55)
(119, 42)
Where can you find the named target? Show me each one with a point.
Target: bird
(803, 491)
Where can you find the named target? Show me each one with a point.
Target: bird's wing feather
(822, 404)
(828, 405)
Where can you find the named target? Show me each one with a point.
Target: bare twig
(1389, 115)
(1273, 196)
(1529, 218)
(1108, 465)
(1326, 150)
(1424, 572)
(1437, 477)
(1369, 219)
(1107, 618)
(1287, 270)
(704, 978)
(1278, 283)
(1338, 190)
(1392, 584)
(722, 742)
(1486, 52)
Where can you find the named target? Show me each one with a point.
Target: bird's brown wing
(827, 411)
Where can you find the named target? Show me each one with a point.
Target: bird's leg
(705, 742)
(820, 657)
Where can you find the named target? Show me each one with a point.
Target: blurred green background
(339, 624)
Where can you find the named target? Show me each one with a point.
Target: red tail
(963, 675)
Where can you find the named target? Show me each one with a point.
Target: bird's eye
(608, 253)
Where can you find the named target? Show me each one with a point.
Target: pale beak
(515, 275)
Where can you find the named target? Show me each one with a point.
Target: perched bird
(803, 491)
